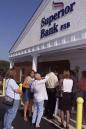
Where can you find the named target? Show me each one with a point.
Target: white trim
(69, 41)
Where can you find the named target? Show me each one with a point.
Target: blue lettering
(50, 20)
(57, 15)
(61, 13)
(49, 31)
(42, 33)
(43, 22)
(71, 6)
(67, 9)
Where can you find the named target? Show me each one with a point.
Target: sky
(14, 14)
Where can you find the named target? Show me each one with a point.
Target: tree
(4, 66)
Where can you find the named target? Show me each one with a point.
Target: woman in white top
(66, 100)
(13, 91)
(40, 94)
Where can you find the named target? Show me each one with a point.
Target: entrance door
(57, 66)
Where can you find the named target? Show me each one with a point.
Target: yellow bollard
(20, 86)
(3, 92)
(79, 112)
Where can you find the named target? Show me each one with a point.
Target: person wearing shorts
(27, 95)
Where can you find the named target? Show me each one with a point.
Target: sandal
(25, 119)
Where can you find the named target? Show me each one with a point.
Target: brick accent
(26, 66)
(43, 67)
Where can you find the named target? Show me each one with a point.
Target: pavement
(19, 123)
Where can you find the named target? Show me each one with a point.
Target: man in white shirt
(51, 90)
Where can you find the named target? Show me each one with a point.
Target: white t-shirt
(11, 86)
(39, 89)
(67, 85)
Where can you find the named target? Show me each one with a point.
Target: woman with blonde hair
(66, 99)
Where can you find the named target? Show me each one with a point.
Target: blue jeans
(11, 114)
(38, 112)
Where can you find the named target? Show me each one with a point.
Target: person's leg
(5, 119)
(34, 113)
(26, 104)
(56, 108)
(40, 113)
(11, 114)
(68, 118)
(84, 114)
(52, 103)
(30, 107)
(47, 104)
(62, 118)
(85, 110)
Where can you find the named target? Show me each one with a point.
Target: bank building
(55, 36)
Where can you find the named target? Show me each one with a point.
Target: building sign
(51, 25)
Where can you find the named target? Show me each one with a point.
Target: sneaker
(11, 127)
(25, 119)
(37, 127)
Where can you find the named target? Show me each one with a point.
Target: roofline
(25, 26)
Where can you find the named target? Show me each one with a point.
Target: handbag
(59, 92)
(7, 100)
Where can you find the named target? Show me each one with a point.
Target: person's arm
(32, 85)
(16, 87)
(45, 79)
(18, 91)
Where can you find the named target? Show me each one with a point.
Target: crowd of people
(40, 95)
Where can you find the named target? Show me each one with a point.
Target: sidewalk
(56, 122)
(46, 123)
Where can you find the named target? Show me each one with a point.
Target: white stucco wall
(77, 20)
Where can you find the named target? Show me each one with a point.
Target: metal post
(20, 87)
(79, 112)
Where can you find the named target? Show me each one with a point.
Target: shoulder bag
(7, 99)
